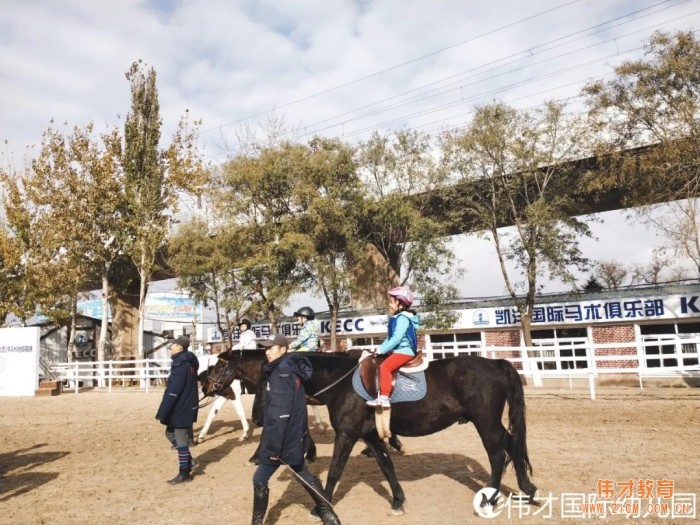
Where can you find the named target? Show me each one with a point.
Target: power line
(527, 52)
(392, 68)
(437, 92)
(445, 89)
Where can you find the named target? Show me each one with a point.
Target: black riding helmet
(244, 322)
(305, 311)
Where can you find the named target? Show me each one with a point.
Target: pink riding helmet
(403, 295)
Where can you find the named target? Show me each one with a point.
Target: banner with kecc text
(19, 361)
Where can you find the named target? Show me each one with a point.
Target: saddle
(369, 370)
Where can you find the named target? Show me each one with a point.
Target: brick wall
(621, 333)
(505, 338)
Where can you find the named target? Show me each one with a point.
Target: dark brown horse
(244, 366)
(459, 389)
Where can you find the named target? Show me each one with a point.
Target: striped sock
(183, 457)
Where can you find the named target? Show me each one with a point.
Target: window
(571, 342)
(450, 345)
(671, 345)
(365, 343)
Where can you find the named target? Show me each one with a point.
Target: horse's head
(217, 378)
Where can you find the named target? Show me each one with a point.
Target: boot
(182, 477)
(261, 494)
(328, 515)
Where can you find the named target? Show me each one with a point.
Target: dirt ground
(95, 457)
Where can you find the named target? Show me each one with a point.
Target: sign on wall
(628, 309)
(166, 306)
(620, 310)
(19, 361)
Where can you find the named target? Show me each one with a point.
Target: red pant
(391, 363)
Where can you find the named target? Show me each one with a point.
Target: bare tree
(611, 273)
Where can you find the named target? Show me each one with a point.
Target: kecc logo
(347, 326)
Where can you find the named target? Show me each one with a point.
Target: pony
(232, 393)
(460, 389)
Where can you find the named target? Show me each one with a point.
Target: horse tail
(516, 418)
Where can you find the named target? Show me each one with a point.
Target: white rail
(104, 373)
(535, 363)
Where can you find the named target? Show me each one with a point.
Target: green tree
(331, 200)
(205, 263)
(254, 195)
(514, 168)
(32, 273)
(153, 178)
(398, 171)
(592, 285)
(79, 179)
(654, 104)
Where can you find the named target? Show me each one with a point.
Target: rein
(213, 398)
(334, 383)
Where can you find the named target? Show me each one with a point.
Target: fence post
(109, 380)
(591, 385)
(148, 375)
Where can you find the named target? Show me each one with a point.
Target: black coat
(179, 406)
(285, 420)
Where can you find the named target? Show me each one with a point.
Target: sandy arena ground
(94, 458)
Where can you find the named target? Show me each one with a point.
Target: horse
(460, 389)
(231, 393)
(246, 367)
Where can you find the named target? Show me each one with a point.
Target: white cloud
(226, 61)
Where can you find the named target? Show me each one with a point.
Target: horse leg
(216, 406)
(318, 420)
(341, 452)
(396, 444)
(526, 486)
(381, 454)
(238, 405)
(492, 437)
(309, 445)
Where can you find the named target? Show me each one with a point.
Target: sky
(337, 68)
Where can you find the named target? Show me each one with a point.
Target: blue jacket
(402, 335)
(285, 420)
(180, 403)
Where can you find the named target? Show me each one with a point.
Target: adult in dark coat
(284, 428)
(179, 406)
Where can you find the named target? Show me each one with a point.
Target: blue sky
(337, 67)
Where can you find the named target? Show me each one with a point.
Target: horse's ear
(226, 355)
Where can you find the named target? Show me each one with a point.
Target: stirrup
(381, 401)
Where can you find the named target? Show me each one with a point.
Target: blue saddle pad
(408, 387)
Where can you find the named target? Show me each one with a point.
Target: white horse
(233, 393)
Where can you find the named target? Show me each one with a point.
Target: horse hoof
(398, 512)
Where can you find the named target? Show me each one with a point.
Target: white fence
(104, 374)
(676, 358)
